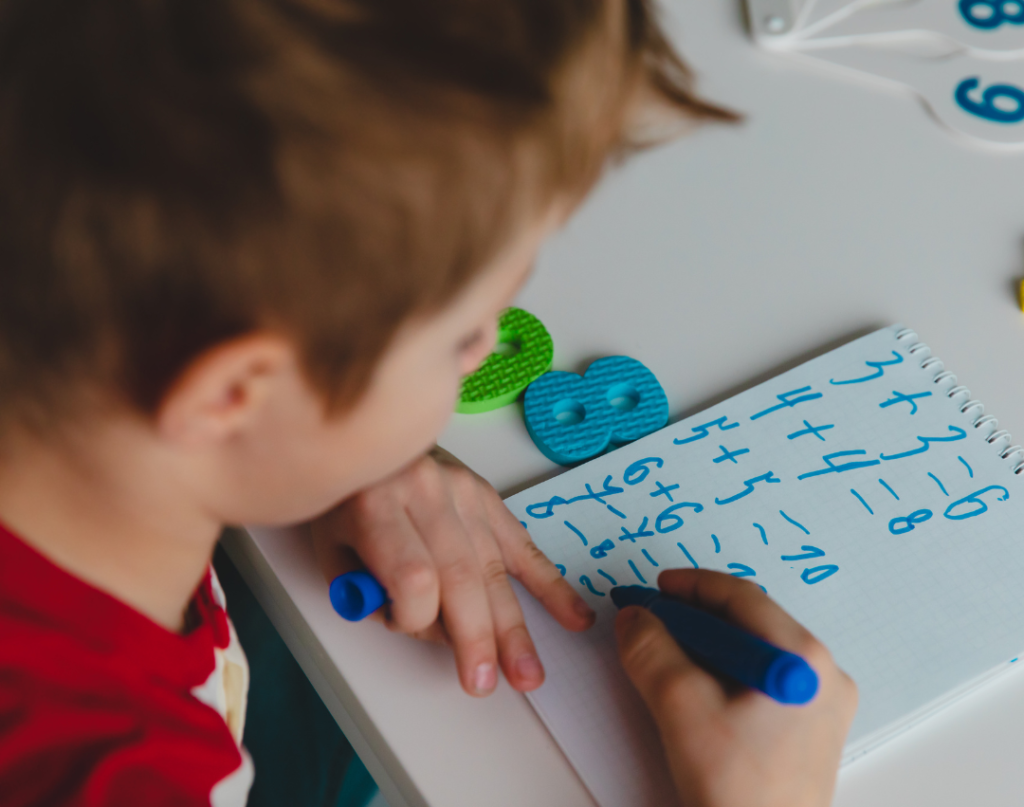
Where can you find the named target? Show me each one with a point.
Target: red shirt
(99, 705)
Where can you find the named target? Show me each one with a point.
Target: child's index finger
(531, 567)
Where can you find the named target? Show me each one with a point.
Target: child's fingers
(516, 651)
(534, 570)
(464, 600)
(332, 556)
(675, 689)
(382, 539)
(395, 554)
(743, 603)
(435, 633)
(518, 656)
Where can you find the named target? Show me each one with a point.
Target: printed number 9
(995, 13)
(572, 418)
(988, 107)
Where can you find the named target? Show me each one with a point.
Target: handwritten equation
(794, 483)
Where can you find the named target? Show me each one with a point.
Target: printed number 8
(573, 418)
(986, 108)
(995, 15)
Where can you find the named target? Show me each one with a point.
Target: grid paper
(906, 566)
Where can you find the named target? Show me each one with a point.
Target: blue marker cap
(356, 595)
(790, 679)
(726, 648)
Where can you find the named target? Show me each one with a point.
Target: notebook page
(852, 488)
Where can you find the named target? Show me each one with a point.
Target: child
(248, 249)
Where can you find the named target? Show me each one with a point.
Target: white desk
(717, 261)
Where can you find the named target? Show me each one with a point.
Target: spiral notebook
(865, 490)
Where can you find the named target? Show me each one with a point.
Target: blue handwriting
(602, 549)
(939, 483)
(958, 434)
(547, 509)
(838, 469)
(975, 498)
(814, 574)
(581, 536)
(818, 573)
(637, 472)
(861, 500)
(879, 371)
(901, 398)
(900, 526)
(586, 581)
(808, 553)
(882, 482)
(643, 532)
(768, 478)
(669, 515)
(795, 523)
(700, 432)
(764, 535)
(664, 491)
(607, 577)
(636, 571)
(815, 430)
(729, 455)
(689, 557)
(787, 401)
(647, 555)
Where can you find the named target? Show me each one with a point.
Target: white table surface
(718, 261)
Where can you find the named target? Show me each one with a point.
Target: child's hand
(729, 746)
(441, 541)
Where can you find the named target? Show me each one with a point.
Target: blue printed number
(572, 418)
(814, 574)
(638, 471)
(808, 553)
(976, 504)
(668, 521)
(901, 526)
(1001, 103)
(989, 14)
(818, 573)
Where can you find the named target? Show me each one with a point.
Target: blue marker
(356, 595)
(727, 649)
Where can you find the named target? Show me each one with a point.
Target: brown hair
(174, 173)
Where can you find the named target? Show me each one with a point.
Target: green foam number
(523, 353)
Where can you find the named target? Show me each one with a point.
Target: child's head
(283, 229)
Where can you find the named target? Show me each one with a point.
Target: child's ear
(224, 389)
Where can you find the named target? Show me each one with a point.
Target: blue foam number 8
(572, 418)
(995, 14)
(986, 108)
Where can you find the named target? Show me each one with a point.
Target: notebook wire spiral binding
(999, 439)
